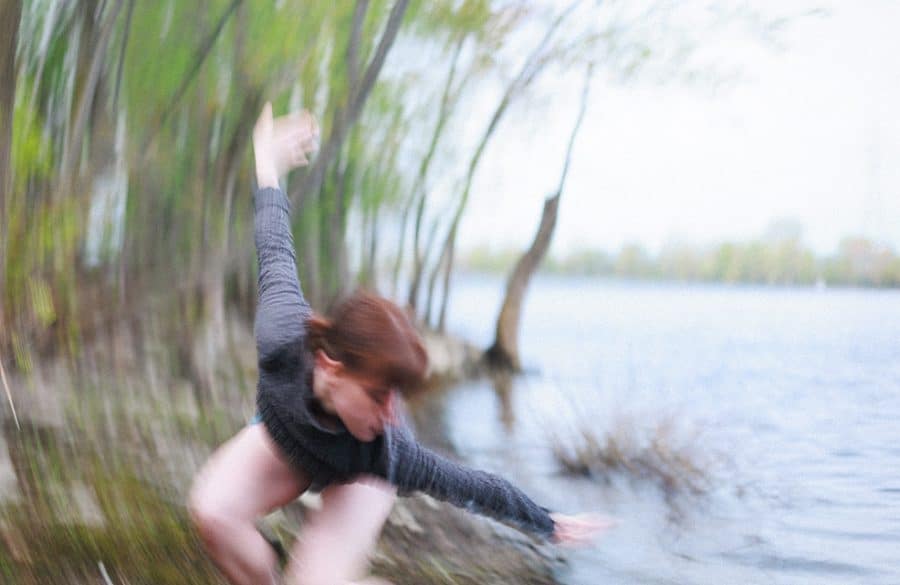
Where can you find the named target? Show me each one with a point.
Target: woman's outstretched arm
(417, 468)
(279, 145)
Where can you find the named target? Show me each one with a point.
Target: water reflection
(797, 388)
(502, 382)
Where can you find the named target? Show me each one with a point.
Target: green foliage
(172, 107)
(31, 155)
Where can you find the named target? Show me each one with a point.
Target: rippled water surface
(792, 394)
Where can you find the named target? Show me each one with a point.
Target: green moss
(143, 538)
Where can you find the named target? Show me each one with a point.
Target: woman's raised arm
(279, 145)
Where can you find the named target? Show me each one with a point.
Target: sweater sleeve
(281, 310)
(416, 468)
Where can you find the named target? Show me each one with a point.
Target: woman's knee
(337, 541)
(201, 515)
(208, 516)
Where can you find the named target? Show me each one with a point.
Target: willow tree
(481, 28)
(161, 96)
(504, 353)
(378, 179)
(62, 56)
(10, 15)
(354, 73)
(543, 54)
(418, 195)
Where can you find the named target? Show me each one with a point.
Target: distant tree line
(856, 262)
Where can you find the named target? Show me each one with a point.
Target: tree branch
(202, 54)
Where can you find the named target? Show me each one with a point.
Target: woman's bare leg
(247, 477)
(335, 545)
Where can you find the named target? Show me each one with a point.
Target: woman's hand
(281, 144)
(580, 529)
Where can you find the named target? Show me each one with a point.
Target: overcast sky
(810, 132)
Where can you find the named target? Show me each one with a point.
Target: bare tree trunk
(339, 236)
(10, 16)
(359, 17)
(221, 174)
(372, 282)
(504, 353)
(363, 277)
(419, 191)
(401, 245)
(333, 246)
(432, 281)
(86, 102)
(202, 53)
(85, 36)
(539, 58)
(367, 277)
(312, 181)
(345, 118)
(448, 269)
(445, 261)
(198, 341)
(239, 139)
(215, 249)
(334, 228)
(123, 253)
(309, 217)
(129, 19)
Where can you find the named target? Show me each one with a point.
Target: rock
(9, 485)
(427, 541)
(450, 358)
(77, 504)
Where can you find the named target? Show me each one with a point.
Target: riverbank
(94, 477)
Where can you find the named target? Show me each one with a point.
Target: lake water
(792, 394)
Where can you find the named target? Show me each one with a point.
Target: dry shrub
(664, 453)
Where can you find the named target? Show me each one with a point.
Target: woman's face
(363, 405)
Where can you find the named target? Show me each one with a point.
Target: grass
(121, 524)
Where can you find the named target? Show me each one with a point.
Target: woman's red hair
(373, 338)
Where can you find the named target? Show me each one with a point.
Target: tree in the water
(504, 353)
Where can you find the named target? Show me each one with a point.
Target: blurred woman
(327, 417)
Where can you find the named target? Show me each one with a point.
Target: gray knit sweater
(329, 453)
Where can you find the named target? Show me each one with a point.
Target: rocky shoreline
(96, 462)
